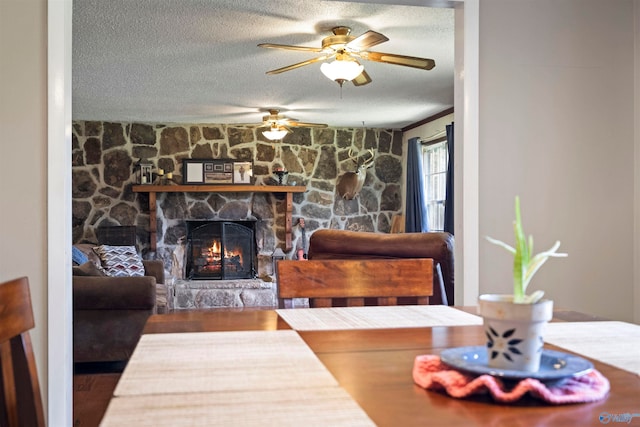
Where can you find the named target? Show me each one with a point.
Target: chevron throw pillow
(120, 261)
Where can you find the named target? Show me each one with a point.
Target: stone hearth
(195, 294)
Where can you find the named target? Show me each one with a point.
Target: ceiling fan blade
(362, 79)
(300, 64)
(254, 124)
(391, 58)
(306, 125)
(366, 40)
(290, 47)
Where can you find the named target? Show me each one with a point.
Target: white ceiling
(197, 61)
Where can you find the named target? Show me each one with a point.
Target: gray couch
(109, 313)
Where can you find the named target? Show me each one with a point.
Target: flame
(213, 252)
(236, 252)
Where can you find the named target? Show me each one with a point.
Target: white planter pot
(514, 331)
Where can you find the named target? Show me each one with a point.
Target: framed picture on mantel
(207, 171)
(242, 172)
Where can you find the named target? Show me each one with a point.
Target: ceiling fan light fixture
(274, 133)
(342, 70)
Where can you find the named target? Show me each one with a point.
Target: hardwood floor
(92, 389)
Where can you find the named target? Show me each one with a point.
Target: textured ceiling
(197, 61)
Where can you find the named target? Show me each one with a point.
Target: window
(434, 164)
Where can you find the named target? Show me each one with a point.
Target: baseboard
(86, 368)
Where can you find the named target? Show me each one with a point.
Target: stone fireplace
(105, 153)
(217, 250)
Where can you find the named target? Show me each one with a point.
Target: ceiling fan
(346, 49)
(280, 125)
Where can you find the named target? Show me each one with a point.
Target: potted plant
(514, 324)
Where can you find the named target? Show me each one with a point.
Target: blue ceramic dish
(554, 365)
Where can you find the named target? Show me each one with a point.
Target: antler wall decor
(349, 184)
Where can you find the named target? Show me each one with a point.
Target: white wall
(637, 166)
(23, 135)
(23, 143)
(35, 181)
(557, 128)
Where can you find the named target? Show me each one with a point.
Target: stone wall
(105, 153)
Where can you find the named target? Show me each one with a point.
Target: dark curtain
(416, 211)
(448, 204)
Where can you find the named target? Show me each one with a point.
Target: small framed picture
(193, 171)
(242, 172)
(207, 171)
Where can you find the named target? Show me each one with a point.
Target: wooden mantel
(288, 190)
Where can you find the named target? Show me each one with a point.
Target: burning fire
(212, 254)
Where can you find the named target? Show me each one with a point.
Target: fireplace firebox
(219, 250)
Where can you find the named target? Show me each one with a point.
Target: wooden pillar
(153, 223)
(287, 220)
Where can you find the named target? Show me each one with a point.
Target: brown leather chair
(344, 244)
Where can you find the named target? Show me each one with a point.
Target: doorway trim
(59, 394)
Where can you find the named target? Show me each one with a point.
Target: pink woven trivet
(431, 374)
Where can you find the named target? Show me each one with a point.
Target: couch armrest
(155, 268)
(109, 293)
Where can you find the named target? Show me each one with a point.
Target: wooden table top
(374, 366)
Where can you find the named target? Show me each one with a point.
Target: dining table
(350, 366)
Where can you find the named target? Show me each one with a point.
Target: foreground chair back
(20, 399)
(350, 282)
(346, 244)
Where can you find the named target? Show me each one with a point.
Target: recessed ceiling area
(198, 61)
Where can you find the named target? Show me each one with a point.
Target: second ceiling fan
(346, 49)
(279, 125)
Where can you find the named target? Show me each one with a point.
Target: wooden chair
(354, 282)
(20, 399)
